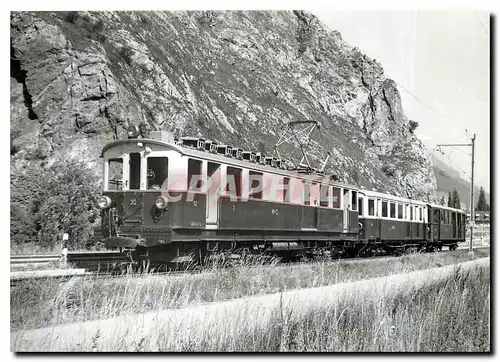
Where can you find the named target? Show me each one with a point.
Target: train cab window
(256, 185)
(194, 175)
(233, 182)
(134, 171)
(371, 207)
(392, 210)
(157, 172)
(360, 207)
(384, 209)
(323, 195)
(400, 211)
(307, 193)
(354, 200)
(115, 174)
(336, 198)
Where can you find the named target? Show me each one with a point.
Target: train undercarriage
(183, 255)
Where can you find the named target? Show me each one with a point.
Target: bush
(27, 190)
(126, 53)
(47, 203)
(413, 126)
(69, 204)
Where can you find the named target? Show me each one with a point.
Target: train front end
(135, 210)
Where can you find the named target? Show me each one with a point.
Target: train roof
(436, 206)
(392, 197)
(405, 200)
(219, 158)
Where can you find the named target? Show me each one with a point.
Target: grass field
(35, 304)
(439, 309)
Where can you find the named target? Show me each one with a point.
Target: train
(175, 200)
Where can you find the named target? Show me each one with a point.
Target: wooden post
(64, 249)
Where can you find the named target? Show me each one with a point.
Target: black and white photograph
(250, 180)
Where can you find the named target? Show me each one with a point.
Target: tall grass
(450, 315)
(443, 309)
(56, 301)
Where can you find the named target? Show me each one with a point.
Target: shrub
(126, 53)
(413, 126)
(68, 205)
(27, 190)
(47, 203)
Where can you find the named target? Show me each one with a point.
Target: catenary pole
(472, 145)
(472, 216)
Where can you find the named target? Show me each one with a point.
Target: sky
(441, 62)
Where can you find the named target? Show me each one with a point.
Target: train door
(454, 224)
(430, 225)
(347, 208)
(213, 194)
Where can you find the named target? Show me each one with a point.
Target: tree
(450, 199)
(456, 199)
(481, 203)
(69, 205)
(442, 202)
(413, 126)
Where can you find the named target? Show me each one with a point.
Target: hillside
(78, 79)
(448, 178)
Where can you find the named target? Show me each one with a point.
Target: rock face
(78, 79)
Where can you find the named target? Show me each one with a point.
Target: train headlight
(133, 131)
(103, 202)
(161, 202)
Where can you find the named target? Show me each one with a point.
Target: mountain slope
(448, 178)
(78, 79)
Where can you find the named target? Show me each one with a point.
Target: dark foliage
(413, 126)
(47, 203)
(482, 205)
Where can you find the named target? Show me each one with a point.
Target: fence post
(64, 249)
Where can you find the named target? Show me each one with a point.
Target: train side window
(360, 208)
(115, 174)
(411, 213)
(157, 172)
(354, 199)
(384, 209)
(233, 182)
(420, 212)
(194, 174)
(371, 207)
(307, 193)
(256, 185)
(400, 211)
(315, 193)
(392, 209)
(323, 195)
(287, 195)
(336, 198)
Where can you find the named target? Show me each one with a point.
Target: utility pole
(472, 216)
(472, 144)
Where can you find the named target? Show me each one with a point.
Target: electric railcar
(172, 201)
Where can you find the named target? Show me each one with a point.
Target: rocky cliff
(78, 79)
